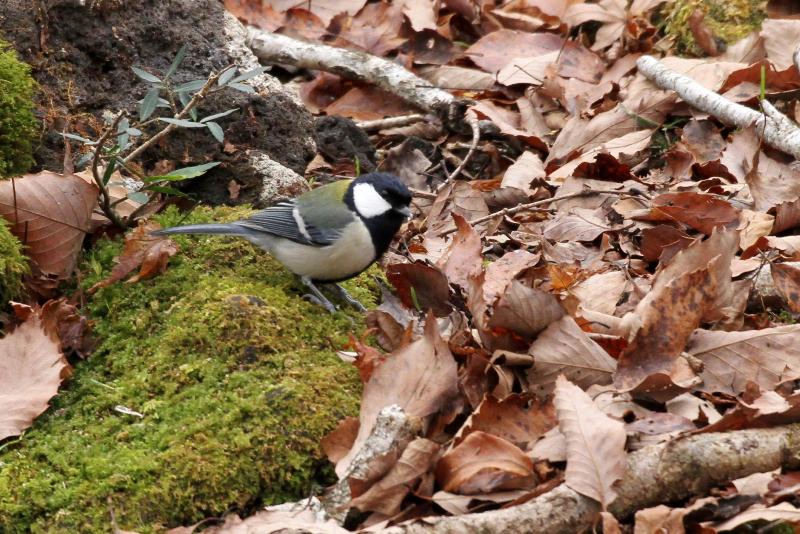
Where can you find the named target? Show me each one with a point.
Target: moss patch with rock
(729, 20)
(18, 128)
(13, 265)
(237, 380)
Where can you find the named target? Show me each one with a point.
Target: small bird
(327, 235)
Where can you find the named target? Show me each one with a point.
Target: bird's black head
(378, 194)
(382, 201)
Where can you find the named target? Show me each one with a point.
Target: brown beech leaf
(772, 182)
(580, 224)
(49, 213)
(463, 257)
(663, 242)
(483, 463)
(696, 210)
(564, 349)
(601, 292)
(387, 494)
(694, 286)
(277, 519)
(787, 282)
(420, 377)
(65, 321)
(31, 369)
(420, 286)
(376, 29)
(494, 50)
(731, 359)
(595, 444)
(520, 419)
(524, 310)
(147, 252)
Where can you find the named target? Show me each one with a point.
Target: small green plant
(129, 141)
(18, 126)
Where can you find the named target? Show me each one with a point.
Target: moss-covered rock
(13, 265)
(729, 20)
(17, 124)
(235, 375)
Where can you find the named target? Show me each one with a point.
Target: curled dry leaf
(595, 444)
(564, 349)
(524, 310)
(420, 377)
(31, 369)
(148, 252)
(49, 213)
(420, 286)
(483, 463)
(697, 210)
(517, 418)
(340, 440)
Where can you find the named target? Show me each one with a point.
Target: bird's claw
(330, 307)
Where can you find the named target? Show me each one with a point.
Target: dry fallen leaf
(31, 369)
(483, 463)
(49, 214)
(147, 252)
(420, 378)
(595, 444)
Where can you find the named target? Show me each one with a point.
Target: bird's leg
(347, 297)
(316, 295)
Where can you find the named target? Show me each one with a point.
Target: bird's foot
(347, 297)
(316, 295)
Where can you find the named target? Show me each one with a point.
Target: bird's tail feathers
(223, 229)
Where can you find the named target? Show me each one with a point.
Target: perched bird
(327, 235)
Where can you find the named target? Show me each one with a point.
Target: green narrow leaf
(112, 165)
(218, 115)
(193, 114)
(194, 171)
(244, 88)
(163, 103)
(763, 92)
(194, 85)
(250, 74)
(148, 105)
(138, 196)
(226, 77)
(182, 174)
(182, 122)
(134, 132)
(79, 138)
(184, 98)
(216, 131)
(146, 76)
(176, 62)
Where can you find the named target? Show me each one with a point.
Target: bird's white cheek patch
(368, 202)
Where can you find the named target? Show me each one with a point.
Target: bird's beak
(404, 211)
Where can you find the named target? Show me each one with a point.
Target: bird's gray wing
(296, 222)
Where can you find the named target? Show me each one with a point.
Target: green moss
(18, 128)
(12, 265)
(235, 374)
(729, 20)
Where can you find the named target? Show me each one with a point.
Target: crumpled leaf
(420, 286)
(519, 419)
(463, 257)
(483, 463)
(31, 369)
(148, 252)
(595, 444)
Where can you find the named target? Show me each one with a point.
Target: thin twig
(535, 205)
(390, 122)
(472, 120)
(105, 197)
(423, 194)
(198, 96)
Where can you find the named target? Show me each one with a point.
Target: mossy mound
(13, 265)
(729, 20)
(235, 375)
(18, 127)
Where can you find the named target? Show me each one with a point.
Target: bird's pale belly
(352, 253)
